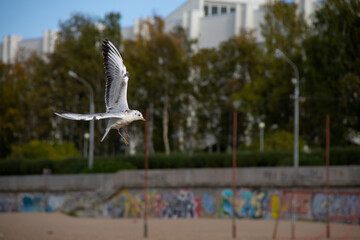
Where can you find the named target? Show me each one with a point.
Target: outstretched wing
(87, 117)
(117, 79)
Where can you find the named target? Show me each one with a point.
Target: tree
(283, 29)
(24, 103)
(78, 49)
(332, 73)
(268, 96)
(157, 62)
(240, 65)
(205, 97)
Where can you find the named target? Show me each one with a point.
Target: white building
(208, 21)
(13, 46)
(211, 22)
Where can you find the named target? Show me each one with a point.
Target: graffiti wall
(194, 203)
(31, 202)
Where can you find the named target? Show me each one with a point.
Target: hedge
(338, 156)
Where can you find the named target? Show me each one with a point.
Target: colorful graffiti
(341, 206)
(208, 203)
(185, 203)
(182, 205)
(31, 202)
(247, 203)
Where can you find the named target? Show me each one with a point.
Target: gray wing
(87, 117)
(117, 79)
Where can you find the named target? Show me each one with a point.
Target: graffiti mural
(181, 205)
(9, 203)
(226, 208)
(208, 203)
(247, 203)
(341, 206)
(31, 202)
(188, 203)
(251, 203)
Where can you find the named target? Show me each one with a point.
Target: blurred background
(191, 63)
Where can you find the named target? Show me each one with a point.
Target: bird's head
(137, 115)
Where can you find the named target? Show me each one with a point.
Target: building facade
(13, 46)
(210, 22)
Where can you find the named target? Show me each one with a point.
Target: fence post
(146, 167)
(234, 172)
(327, 174)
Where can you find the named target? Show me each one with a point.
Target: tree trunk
(229, 147)
(151, 128)
(166, 123)
(181, 138)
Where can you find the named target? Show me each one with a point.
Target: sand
(39, 226)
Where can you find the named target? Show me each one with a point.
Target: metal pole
(261, 139)
(234, 172)
(92, 111)
(92, 123)
(279, 53)
(292, 216)
(261, 126)
(278, 215)
(146, 172)
(86, 139)
(296, 124)
(327, 174)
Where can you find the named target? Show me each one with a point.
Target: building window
(206, 10)
(223, 10)
(232, 9)
(214, 10)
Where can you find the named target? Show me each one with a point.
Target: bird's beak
(143, 119)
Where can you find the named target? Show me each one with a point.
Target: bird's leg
(127, 135)
(126, 142)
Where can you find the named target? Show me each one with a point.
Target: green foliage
(338, 156)
(25, 112)
(332, 73)
(158, 65)
(192, 94)
(277, 141)
(21, 166)
(78, 49)
(268, 97)
(47, 150)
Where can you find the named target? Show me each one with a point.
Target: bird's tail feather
(106, 132)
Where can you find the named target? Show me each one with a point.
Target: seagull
(117, 109)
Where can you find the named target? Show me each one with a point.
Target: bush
(277, 140)
(44, 150)
(20, 166)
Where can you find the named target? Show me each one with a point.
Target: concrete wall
(216, 29)
(53, 183)
(188, 193)
(256, 203)
(304, 177)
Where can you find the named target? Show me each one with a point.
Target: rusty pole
(278, 215)
(146, 172)
(234, 172)
(327, 174)
(292, 216)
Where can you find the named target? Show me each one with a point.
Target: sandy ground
(52, 226)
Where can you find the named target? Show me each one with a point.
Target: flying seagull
(117, 109)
